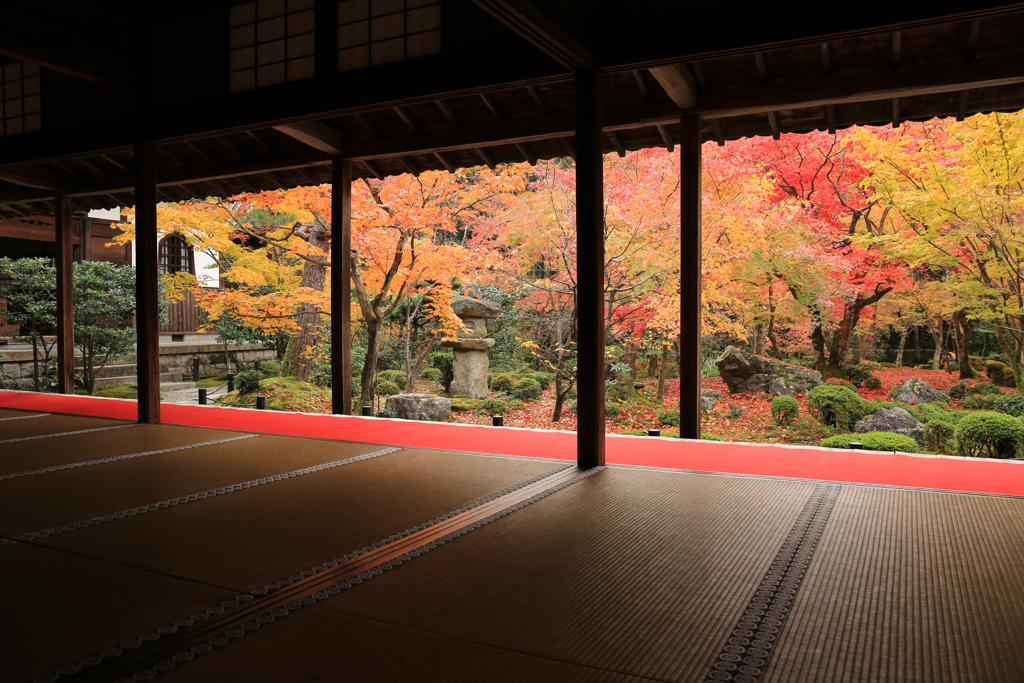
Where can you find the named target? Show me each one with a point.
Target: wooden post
(65, 297)
(85, 238)
(146, 310)
(341, 284)
(590, 270)
(690, 278)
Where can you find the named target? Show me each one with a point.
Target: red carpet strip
(887, 469)
(183, 500)
(145, 658)
(130, 456)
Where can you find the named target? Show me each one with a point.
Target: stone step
(169, 387)
(118, 369)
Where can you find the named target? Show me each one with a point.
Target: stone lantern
(470, 348)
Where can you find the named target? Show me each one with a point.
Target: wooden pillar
(85, 238)
(65, 297)
(690, 278)
(341, 286)
(590, 270)
(146, 272)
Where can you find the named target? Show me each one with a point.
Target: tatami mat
(51, 424)
(633, 571)
(59, 608)
(62, 450)
(8, 412)
(259, 535)
(910, 586)
(316, 645)
(66, 496)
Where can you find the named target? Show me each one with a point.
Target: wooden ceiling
(957, 67)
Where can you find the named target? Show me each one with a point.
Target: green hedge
(938, 435)
(669, 418)
(501, 382)
(526, 390)
(836, 405)
(612, 409)
(989, 435)
(873, 441)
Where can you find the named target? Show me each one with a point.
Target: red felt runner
(894, 469)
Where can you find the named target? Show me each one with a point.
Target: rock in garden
(916, 391)
(747, 373)
(709, 398)
(419, 407)
(895, 420)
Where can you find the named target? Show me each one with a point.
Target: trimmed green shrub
(493, 406)
(785, 409)
(938, 435)
(1012, 404)
(270, 369)
(835, 405)
(543, 379)
(386, 389)
(433, 374)
(709, 437)
(464, 405)
(872, 383)
(873, 441)
(502, 382)
(669, 418)
(836, 382)
(445, 363)
(980, 402)
(396, 377)
(526, 390)
(929, 412)
(612, 409)
(982, 388)
(248, 381)
(989, 435)
(860, 373)
(958, 391)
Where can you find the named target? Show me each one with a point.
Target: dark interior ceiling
(959, 66)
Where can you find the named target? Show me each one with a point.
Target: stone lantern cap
(466, 307)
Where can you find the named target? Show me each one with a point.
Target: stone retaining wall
(16, 366)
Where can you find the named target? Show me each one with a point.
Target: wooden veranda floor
(132, 552)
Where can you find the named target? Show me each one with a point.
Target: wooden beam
(716, 126)
(666, 137)
(537, 28)
(570, 149)
(862, 87)
(372, 168)
(538, 99)
(773, 121)
(406, 118)
(590, 319)
(447, 111)
(446, 162)
(31, 177)
(973, 31)
(408, 166)
(484, 157)
(315, 134)
(65, 297)
(678, 83)
(762, 70)
(617, 144)
(147, 301)
(830, 117)
(90, 60)
(641, 85)
(961, 104)
(826, 58)
(896, 118)
(527, 152)
(492, 104)
(341, 286)
(690, 273)
(897, 49)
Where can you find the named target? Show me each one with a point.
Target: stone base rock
(747, 373)
(895, 420)
(709, 398)
(916, 391)
(419, 407)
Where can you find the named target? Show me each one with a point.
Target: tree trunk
(314, 276)
(35, 365)
(818, 343)
(556, 414)
(917, 345)
(961, 324)
(370, 366)
(842, 336)
(937, 337)
(662, 370)
(903, 343)
(758, 340)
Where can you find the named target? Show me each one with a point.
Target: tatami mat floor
(116, 545)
